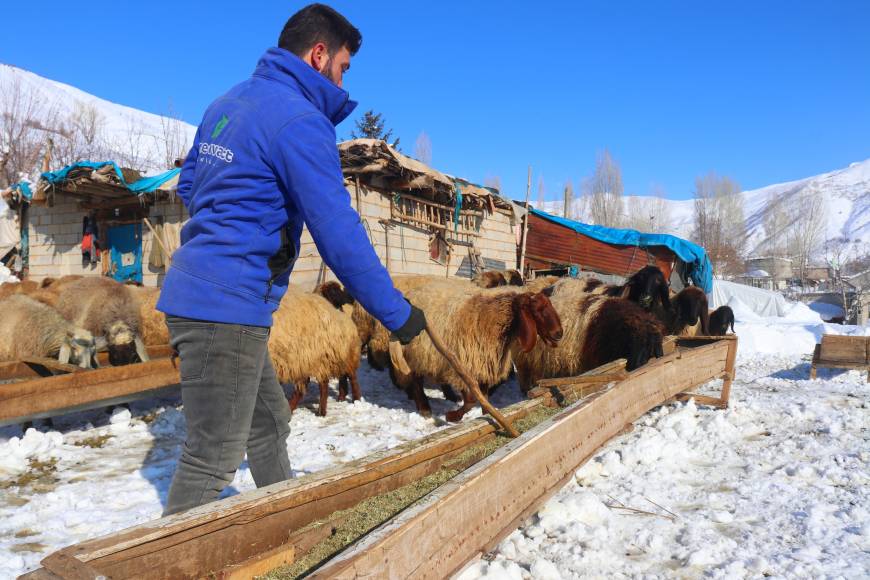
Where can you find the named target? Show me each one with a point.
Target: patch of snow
(777, 485)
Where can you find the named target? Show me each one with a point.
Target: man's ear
(319, 57)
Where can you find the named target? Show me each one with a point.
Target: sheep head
(646, 285)
(122, 344)
(79, 348)
(335, 294)
(536, 317)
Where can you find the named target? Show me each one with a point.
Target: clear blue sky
(763, 91)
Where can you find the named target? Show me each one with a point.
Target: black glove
(415, 324)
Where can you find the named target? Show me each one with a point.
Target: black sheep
(720, 320)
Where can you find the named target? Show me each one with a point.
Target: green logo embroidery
(220, 126)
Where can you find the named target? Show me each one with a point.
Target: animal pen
(424, 509)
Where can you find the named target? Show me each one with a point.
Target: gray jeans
(233, 404)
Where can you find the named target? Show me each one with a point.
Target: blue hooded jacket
(264, 160)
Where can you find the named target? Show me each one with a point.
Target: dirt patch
(28, 547)
(94, 441)
(39, 477)
(25, 533)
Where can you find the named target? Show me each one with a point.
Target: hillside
(846, 193)
(126, 132)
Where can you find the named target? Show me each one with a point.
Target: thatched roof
(380, 166)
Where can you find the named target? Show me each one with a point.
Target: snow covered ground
(96, 472)
(776, 485)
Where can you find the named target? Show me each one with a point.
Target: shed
(555, 243)
(419, 220)
(96, 218)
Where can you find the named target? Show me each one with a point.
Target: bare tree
(172, 142)
(568, 201)
(719, 222)
(131, 149)
(648, 214)
(83, 136)
(776, 225)
(542, 193)
(808, 217)
(24, 118)
(604, 191)
(423, 148)
(493, 181)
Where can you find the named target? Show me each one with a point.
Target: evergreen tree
(373, 126)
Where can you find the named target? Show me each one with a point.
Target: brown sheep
(484, 329)
(31, 329)
(152, 322)
(108, 310)
(311, 339)
(597, 329)
(490, 279)
(541, 282)
(335, 294)
(513, 278)
(373, 334)
(25, 287)
(689, 309)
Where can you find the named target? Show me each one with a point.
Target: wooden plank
(437, 536)
(47, 367)
(222, 533)
(847, 349)
(260, 564)
(16, 369)
(76, 391)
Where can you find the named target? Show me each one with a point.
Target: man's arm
(306, 161)
(188, 170)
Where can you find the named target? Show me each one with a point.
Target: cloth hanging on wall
(90, 242)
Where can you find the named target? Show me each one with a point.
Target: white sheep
(31, 329)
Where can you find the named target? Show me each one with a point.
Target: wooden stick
(522, 266)
(471, 383)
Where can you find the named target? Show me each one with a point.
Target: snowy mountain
(127, 134)
(845, 192)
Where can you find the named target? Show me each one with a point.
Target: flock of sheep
(548, 327)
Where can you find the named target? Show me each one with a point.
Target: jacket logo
(220, 126)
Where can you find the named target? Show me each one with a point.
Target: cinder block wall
(408, 245)
(56, 232)
(56, 236)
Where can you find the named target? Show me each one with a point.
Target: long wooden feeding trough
(490, 495)
(40, 388)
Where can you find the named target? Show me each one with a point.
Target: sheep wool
(31, 329)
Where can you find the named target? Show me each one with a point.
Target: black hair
(319, 23)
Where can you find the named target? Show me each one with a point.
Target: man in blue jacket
(264, 161)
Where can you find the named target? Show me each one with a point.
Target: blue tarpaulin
(698, 266)
(144, 185)
(24, 189)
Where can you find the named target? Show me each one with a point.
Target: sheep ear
(64, 355)
(527, 331)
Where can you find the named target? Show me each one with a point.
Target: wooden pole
(522, 265)
(471, 383)
(158, 239)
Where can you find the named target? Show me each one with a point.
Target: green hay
(94, 442)
(354, 523)
(39, 476)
